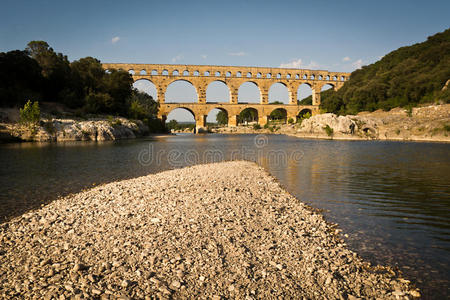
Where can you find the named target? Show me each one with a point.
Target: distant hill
(405, 77)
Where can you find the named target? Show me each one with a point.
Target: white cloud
(115, 39)
(204, 56)
(177, 58)
(312, 65)
(298, 64)
(346, 58)
(293, 64)
(357, 64)
(241, 53)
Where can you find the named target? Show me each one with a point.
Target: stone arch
(147, 86)
(327, 86)
(175, 73)
(269, 75)
(247, 88)
(249, 75)
(278, 114)
(165, 72)
(173, 93)
(248, 115)
(206, 73)
(304, 93)
(279, 92)
(196, 73)
(185, 73)
(228, 74)
(154, 72)
(143, 72)
(212, 115)
(239, 74)
(181, 114)
(217, 87)
(258, 75)
(132, 72)
(217, 74)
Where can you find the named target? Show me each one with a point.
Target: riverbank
(426, 123)
(225, 230)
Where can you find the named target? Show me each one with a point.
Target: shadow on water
(392, 198)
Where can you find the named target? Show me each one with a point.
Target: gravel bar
(217, 231)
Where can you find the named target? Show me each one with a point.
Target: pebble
(229, 222)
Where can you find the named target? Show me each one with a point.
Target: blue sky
(332, 35)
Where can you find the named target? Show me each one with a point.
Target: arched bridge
(200, 76)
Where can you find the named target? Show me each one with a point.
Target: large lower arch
(249, 92)
(278, 115)
(218, 92)
(217, 116)
(146, 86)
(181, 91)
(181, 117)
(304, 94)
(279, 93)
(248, 115)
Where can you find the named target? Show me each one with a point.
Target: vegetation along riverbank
(243, 236)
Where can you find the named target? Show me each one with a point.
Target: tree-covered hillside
(405, 77)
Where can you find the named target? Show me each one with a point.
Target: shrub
(266, 126)
(328, 130)
(256, 126)
(30, 113)
(290, 120)
(447, 127)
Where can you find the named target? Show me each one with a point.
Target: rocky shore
(427, 123)
(218, 231)
(59, 130)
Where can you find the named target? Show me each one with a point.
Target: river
(391, 198)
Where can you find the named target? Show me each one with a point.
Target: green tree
(20, 78)
(248, 114)
(142, 105)
(55, 69)
(30, 114)
(278, 114)
(172, 124)
(405, 77)
(222, 118)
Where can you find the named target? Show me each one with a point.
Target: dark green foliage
(40, 73)
(290, 120)
(278, 114)
(222, 118)
(256, 126)
(141, 105)
(328, 130)
(248, 114)
(305, 101)
(407, 76)
(173, 124)
(20, 78)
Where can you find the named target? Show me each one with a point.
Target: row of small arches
(240, 74)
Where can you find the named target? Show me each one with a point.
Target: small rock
(175, 284)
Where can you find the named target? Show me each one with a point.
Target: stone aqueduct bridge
(200, 76)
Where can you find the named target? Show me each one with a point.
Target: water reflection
(392, 198)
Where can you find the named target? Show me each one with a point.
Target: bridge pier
(200, 123)
(262, 120)
(232, 121)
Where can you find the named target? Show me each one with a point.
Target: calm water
(391, 198)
